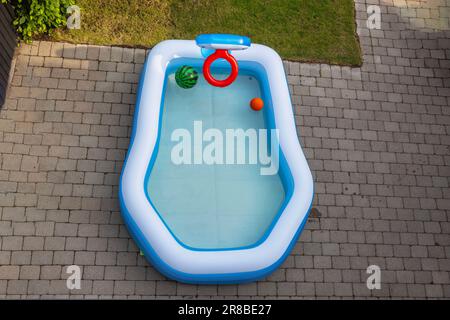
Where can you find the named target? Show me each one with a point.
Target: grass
(300, 30)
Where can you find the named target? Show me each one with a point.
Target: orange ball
(256, 104)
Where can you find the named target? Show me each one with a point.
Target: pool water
(214, 206)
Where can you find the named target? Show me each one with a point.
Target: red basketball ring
(220, 54)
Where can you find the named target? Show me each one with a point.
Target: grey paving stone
(306, 289)
(165, 287)
(103, 287)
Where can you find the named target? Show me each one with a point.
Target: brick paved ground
(376, 138)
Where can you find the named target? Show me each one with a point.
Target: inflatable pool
(215, 187)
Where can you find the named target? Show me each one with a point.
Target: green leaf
(34, 17)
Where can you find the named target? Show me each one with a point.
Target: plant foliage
(35, 17)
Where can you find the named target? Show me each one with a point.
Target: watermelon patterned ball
(186, 77)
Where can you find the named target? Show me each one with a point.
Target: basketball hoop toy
(221, 44)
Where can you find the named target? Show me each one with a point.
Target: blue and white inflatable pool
(197, 217)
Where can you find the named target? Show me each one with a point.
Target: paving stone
(147, 288)
(17, 287)
(286, 288)
(165, 287)
(103, 287)
(9, 272)
(85, 258)
(29, 272)
(306, 289)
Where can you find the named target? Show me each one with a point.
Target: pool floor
(212, 206)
